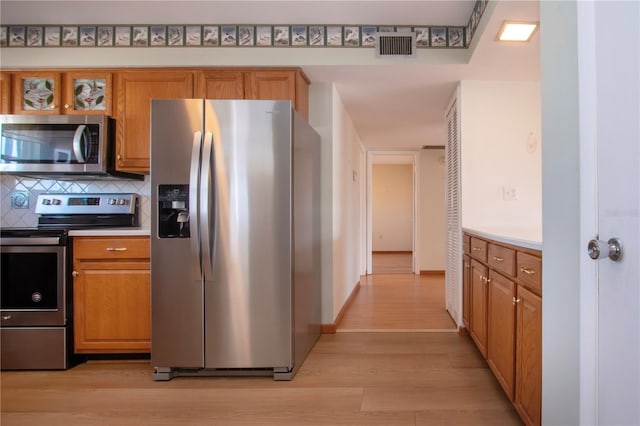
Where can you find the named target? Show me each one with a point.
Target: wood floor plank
(355, 378)
(404, 302)
(348, 379)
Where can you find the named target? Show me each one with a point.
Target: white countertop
(111, 232)
(527, 237)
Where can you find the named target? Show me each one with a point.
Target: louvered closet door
(454, 231)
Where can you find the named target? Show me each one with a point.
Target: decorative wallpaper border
(427, 36)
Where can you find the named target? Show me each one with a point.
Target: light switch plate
(20, 199)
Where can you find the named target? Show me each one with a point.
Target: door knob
(614, 245)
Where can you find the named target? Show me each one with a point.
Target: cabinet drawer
(529, 269)
(466, 244)
(502, 259)
(111, 247)
(479, 249)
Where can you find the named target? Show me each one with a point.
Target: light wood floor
(357, 378)
(348, 379)
(392, 263)
(398, 302)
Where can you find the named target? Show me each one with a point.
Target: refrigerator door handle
(205, 203)
(194, 191)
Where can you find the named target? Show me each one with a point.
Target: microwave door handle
(205, 203)
(77, 143)
(194, 192)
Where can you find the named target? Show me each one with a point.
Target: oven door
(33, 285)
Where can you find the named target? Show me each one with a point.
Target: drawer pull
(498, 259)
(6, 317)
(527, 271)
(116, 249)
(476, 248)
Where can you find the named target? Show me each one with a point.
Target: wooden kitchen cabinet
(111, 295)
(510, 310)
(478, 331)
(219, 84)
(62, 92)
(37, 92)
(528, 393)
(466, 291)
(5, 93)
(135, 89)
(267, 84)
(501, 330)
(87, 93)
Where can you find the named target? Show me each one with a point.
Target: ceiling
(395, 105)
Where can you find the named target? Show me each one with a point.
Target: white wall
(562, 248)
(501, 139)
(346, 215)
(341, 154)
(433, 212)
(392, 207)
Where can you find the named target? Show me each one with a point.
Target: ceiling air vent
(396, 45)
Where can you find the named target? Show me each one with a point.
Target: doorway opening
(394, 295)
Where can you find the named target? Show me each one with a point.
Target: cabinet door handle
(467, 266)
(515, 300)
(116, 249)
(475, 248)
(6, 317)
(498, 259)
(75, 273)
(527, 270)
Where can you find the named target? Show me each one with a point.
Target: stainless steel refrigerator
(235, 238)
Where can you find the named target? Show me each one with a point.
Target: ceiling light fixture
(517, 31)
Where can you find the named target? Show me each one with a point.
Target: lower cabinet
(478, 330)
(529, 357)
(503, 301)
(501, 334)
(111, 299)
(466, 291)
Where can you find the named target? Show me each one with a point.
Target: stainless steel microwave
(59, 146)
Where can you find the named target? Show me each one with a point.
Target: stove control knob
(122, 201)
(56, 202)
(112, 201)
(46, 201)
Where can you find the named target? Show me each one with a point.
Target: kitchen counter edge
(504, 237)
(111, 232)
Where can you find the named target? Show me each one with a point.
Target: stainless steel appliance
(36, 329)
(77, 146)
(235, 238)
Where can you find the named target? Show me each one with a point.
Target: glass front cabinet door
(74, 92)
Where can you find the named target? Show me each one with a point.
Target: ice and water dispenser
(173, 211)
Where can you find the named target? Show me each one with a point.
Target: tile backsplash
(26, 217)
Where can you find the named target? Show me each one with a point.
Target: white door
(610, 129)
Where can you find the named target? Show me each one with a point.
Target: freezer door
(177, 315)
(248, 314)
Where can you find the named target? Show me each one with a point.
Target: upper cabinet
(5, 93)
(36, 92)
(218, 84)
(87, 92)
(135, 89)
(56, 92)
(281, 85)
(271, 84)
